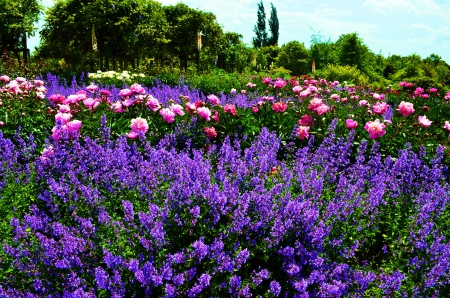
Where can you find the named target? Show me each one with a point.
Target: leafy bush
(349, 74)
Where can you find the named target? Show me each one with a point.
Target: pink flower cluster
(405, 108)
(138, 126)
(375, 129)
(64, 126)
(424, 121)
(279, 107)
(317, 106)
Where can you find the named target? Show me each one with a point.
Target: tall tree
(19, 20)
(294, 56)
(260, 28)
(274, 26)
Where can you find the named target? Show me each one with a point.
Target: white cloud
(421, 26)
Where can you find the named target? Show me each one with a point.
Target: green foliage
(352, 51)
(350, 74)
(294, 56)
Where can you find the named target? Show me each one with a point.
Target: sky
(400, 27)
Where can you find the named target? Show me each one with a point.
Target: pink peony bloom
(405, 108)
(73, 99)
(322, 109)
(210, 132)
(447, 125)
(91, 103)
(74, 126)
(177, 109)
(190, 107)
(216, 117)
(213, 99)
(363, 103)
(204, 113)
(139, 125)
(243, 91)
(306, 120)
(117, 107)
(125, 93)
(152, 103)
(63, 118)
(132, 135)
(297, 89)
(375, 129)
(38, 83)
(302, 132)
(91, 88)
(137, 89)
(64, 108)
(433, 90)
(279, 107)
(447, 96)
(128, 102)
(5, 78)
(424, 121)
(249, 85)
(279, 83)
(351, 124)
(335, 96)
(57, 98)
(167, 114)
(376, 96)
(315, 103)
(255, 110)
(380, 108)
(266, 80)
(230, 109)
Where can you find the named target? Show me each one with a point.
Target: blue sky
(400, 27)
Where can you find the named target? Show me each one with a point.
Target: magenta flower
(351, 124)
(63, 118)
(255, 110)
(125, 93)
(213, 99)
(167, 114)
(216, 117)
(375, 129)
(233, 91)
(302, 132)
(92, 88)
(433, 90)
(376, 96)
(380, 108)
(137, 89)
(363, 103)
(204, 113)
(177, 109)
(5, 78)
(64, 108)
(91, 103)
(315, 103)
(230, 109)
(279, 83)
(266, 80)
(279, 107)
(405, 108)
(139, 125)
(297, 89)
(74, 126)
(152, 103)
(447, 96)
(210, 132)
(447, 125)
(424, 121)
(322, 109)
(306, 120)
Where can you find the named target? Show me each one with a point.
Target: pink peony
(167, 114)
(137, 89)
(351, 124)
(230, 109)
(64, 108)
(91, 103)
(433, 90)
(315, 103)
(405, 108)
(375, 129)
(255, 110)
(447, 125)
(125, 93)
(213, 99)
(132, 135)
(57, 98)
(376, 96)
(204, 113)
(266, 80)
(279, 107)
(363, 103)
(302, 132)
(306, 120)
(92, 88)
(447, 96)
(424, 121)
(63, 118)
(139, 125)
(335, 97)
(5, 78)
(117, 107)
(297, 89)
(210, 132)
(380, 108)
(177, 109)
(152, 103)
(190, 108)
(322, 109)
(216, 117)
(279, 83)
